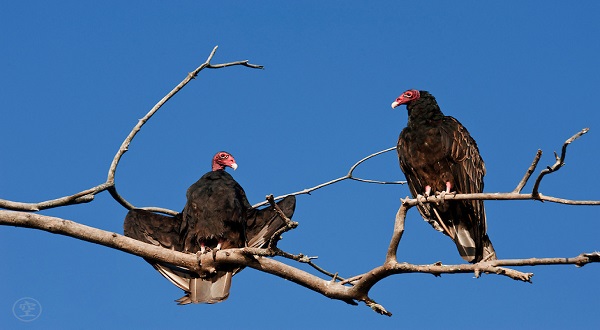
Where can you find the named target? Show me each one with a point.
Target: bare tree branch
(391, 258)
(289, 224)
(125, 145)
(560, 161)
(349, 175)
(85, 196)
(335, 290)
(530, 171)
(499, 196)
(354, 289)
(88, 195)
(97, 236)
(397, 234)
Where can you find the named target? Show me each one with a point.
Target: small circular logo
(27, 309)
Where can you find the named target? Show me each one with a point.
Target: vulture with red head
(217, 215)
(437, 154)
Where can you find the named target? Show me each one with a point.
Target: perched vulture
(437, 154)
(217, 215)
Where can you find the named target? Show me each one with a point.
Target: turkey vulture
(437, 154)
(217, 215)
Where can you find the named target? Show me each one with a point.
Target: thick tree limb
(97, 236)
(253, 258)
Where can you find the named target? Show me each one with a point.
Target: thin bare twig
(289, 224)
(530, 171)
(560, 161)
(349, 175)
(242, 63)
(351, 280)
(334, 276)
(277, 252)
(85, 196)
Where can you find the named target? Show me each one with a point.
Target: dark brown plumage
(217, 215)
(437, 154)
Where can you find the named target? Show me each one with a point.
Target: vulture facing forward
(217, 215)
(437, 154)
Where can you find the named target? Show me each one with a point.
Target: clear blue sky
(76, 76)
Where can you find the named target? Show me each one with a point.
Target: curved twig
(349, 175)
(88, 195)
(289, 224)
(560, 161)
(125, 145)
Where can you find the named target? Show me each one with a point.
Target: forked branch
(560, 161)
(125, 145)
(349, 175)
(351, 290)
(289, 224)
(87, 195)
(329, 288)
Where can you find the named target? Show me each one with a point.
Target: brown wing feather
(263, 223)
(153, 228)
(468, 172)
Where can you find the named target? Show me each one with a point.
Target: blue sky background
(76, 76)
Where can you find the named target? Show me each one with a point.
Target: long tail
(473, 245)
(488, 249)
(208, 290)
(471, 251)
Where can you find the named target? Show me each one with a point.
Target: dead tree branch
(125, 145)
(560, 161)
(349, 175)
(87, 196)
(529, 172)
(354, 289)
(289, 224)
(334, 290)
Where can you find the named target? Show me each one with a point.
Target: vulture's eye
(409, 95)
(223, 156)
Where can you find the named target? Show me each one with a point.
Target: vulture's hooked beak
(395, 104)
(234, 166)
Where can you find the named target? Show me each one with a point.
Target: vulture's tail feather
(208, 290)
